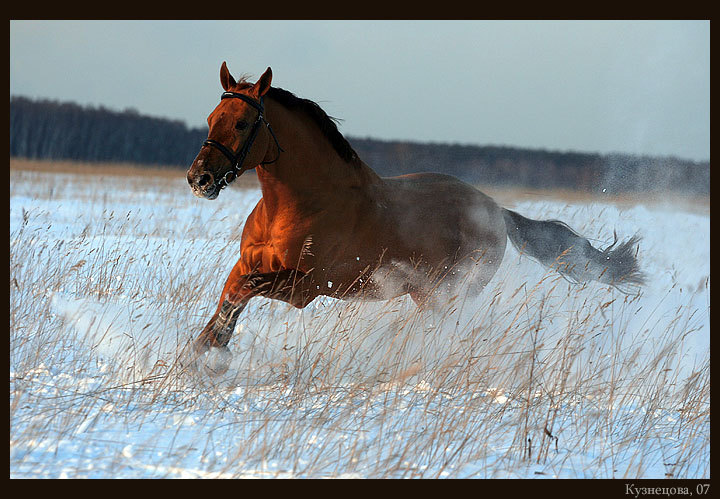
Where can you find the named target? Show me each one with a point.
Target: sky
(637, 87)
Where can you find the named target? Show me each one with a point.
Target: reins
(236, 160)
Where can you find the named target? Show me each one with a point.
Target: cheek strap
(236, 160)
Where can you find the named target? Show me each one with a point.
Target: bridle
(236, 160)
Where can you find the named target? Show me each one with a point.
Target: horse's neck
(309, 165)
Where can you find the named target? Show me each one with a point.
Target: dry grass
(508, 196)
(536, 375)
(103, 170)
(505, 196)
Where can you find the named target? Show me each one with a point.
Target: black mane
(327, 124)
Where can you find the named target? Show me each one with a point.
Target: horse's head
(236, 140)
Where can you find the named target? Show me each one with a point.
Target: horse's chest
(273, 244)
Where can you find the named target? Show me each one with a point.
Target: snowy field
(535, 378)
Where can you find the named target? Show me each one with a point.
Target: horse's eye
(241, 125)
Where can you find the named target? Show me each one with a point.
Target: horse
(328, 225)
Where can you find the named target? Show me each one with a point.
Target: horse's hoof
(218, 360)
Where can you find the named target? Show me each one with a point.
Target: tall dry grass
(535, 377)
(102, 171)
(506, 196)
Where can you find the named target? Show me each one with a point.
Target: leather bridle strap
(236, 160)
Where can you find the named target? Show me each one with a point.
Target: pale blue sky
(640, 87)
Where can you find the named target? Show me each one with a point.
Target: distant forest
(46, 129)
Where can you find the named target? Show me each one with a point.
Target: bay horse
(327, 224)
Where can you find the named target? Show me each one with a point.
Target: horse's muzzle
(203, 185)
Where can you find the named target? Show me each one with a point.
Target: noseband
(236, 160)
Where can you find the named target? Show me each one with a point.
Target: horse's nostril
(205, 179)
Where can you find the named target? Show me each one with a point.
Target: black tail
(556, 245)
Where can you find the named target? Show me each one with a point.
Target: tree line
(48, 129)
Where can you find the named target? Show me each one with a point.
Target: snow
(110, 278)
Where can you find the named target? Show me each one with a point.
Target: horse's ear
(263, 84)
(226, 79)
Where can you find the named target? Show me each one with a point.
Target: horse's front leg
(291, 286)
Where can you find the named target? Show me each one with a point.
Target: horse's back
(443, 216)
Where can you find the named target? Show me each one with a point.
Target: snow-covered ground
(535, 378)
